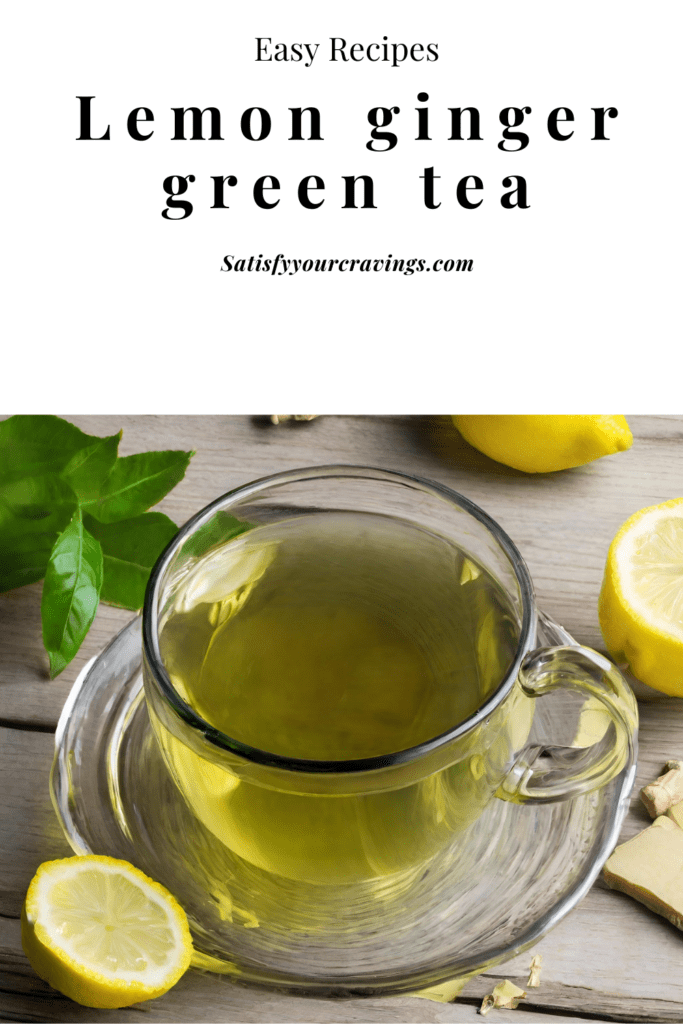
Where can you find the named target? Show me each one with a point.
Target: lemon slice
(102, 933)
(641, 601)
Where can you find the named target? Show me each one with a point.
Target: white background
(573, 305)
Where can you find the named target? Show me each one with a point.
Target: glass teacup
(339, 667)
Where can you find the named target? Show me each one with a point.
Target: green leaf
(26, 561)
(88, 469)
(136, 483)
(33, 512)
(34, 445)
(219, 529)
(71, 592)
(130, 548)
(42, 502)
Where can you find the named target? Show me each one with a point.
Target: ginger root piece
(505, 996)
(676, 814)
(666, 791)
(649, 868)
(297, 419)
(535, 972)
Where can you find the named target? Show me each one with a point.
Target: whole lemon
(545, 444)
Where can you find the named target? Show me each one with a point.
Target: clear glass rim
(218, 739)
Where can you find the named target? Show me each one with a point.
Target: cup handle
(568, 771)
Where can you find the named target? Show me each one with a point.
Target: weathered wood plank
(29, 830)
(199, 998)
(610, 956)
(563, 523)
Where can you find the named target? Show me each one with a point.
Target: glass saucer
(476, 904)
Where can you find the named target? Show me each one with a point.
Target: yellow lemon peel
(545, 444)
(641, 601)
(102, 933)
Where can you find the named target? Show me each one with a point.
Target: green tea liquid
(338, 637)
(332, 637)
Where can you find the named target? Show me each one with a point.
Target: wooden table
(610, 959)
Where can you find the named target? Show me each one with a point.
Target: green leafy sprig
(75, 514)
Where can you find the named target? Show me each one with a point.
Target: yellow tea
(334, 637)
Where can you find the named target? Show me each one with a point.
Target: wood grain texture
(611, 958)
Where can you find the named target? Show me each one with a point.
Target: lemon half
(102, 933)
(545, 444)
(641, 601)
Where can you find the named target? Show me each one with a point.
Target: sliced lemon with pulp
(641, 601)
(101, 932)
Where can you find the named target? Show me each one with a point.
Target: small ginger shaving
(667, 791)
(297, 419)
(535, 972)
(505, 996)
